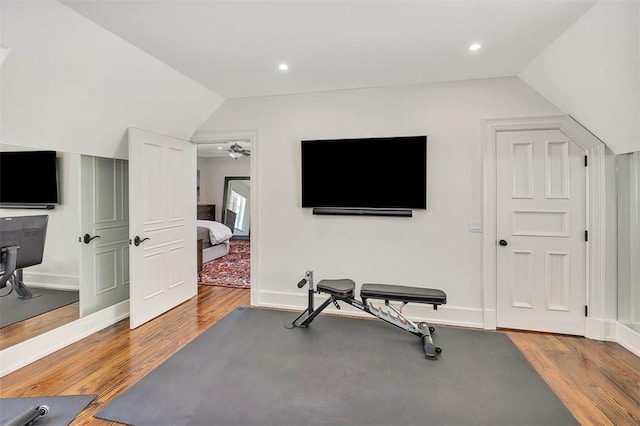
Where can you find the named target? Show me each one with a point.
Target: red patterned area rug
(232, 270)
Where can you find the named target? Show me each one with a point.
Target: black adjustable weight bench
(342, 290)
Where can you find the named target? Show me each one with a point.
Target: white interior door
(104, 227)
(541, 224)
(162, 194)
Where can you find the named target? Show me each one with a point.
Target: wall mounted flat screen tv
(28, 178)
(386, 173)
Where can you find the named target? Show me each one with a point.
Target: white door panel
(104, 261)
(541, 218)
(163, 213)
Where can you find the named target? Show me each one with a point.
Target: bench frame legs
(421, 330)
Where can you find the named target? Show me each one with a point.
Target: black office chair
(22, 241)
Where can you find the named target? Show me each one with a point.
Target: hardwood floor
(24, 330)
(599, 382)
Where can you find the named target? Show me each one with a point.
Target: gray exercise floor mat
(13, 310)
(62, 409)
(249, 370)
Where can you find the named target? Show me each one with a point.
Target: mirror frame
(227, 181)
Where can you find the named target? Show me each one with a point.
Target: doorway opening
(226, 210)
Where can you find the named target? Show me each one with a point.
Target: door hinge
(586, 161)
(586, 235)
(586, 310)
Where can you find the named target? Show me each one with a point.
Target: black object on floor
(249, 370)
(62, 409)
(14, 310)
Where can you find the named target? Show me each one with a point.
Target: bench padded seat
(341, 288)
(403, 294)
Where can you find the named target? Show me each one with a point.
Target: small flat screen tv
(386, 173)
(28, 178)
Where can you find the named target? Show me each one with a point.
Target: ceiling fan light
(474, 46)
(235, 155)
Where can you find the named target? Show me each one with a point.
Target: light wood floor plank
(599, 382)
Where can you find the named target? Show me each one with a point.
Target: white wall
(213, 170)
(592, 72)
(432, 249)
(60, 267)
(4, 51)
(70, 85)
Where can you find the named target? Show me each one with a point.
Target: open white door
(104, 225)
(162, 221)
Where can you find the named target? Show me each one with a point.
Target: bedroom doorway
(225, 208)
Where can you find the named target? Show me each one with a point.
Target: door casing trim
(251, 136)
(595, 212)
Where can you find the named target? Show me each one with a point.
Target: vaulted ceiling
(234, 47)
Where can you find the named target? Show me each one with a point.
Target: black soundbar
(28, 206)
(363, 212)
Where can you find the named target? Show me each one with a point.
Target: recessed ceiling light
(283, 67)
(475, 46)
(219, 147)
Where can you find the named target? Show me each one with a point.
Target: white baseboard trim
(51, 286)
(601, 329)
(24, 353)
(52, 281)
(490, 319)
(38, 347)
(445, 315)
(628, 338)
(597, 329)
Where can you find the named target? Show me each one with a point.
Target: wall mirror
(84, 266)
(236, 203)
(628, 168)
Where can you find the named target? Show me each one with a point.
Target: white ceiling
(234, 47)
(219, 149)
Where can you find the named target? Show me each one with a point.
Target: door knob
(87, 238)
(137, 241)
(503, 242)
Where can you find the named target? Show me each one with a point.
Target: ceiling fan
(236, 151)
